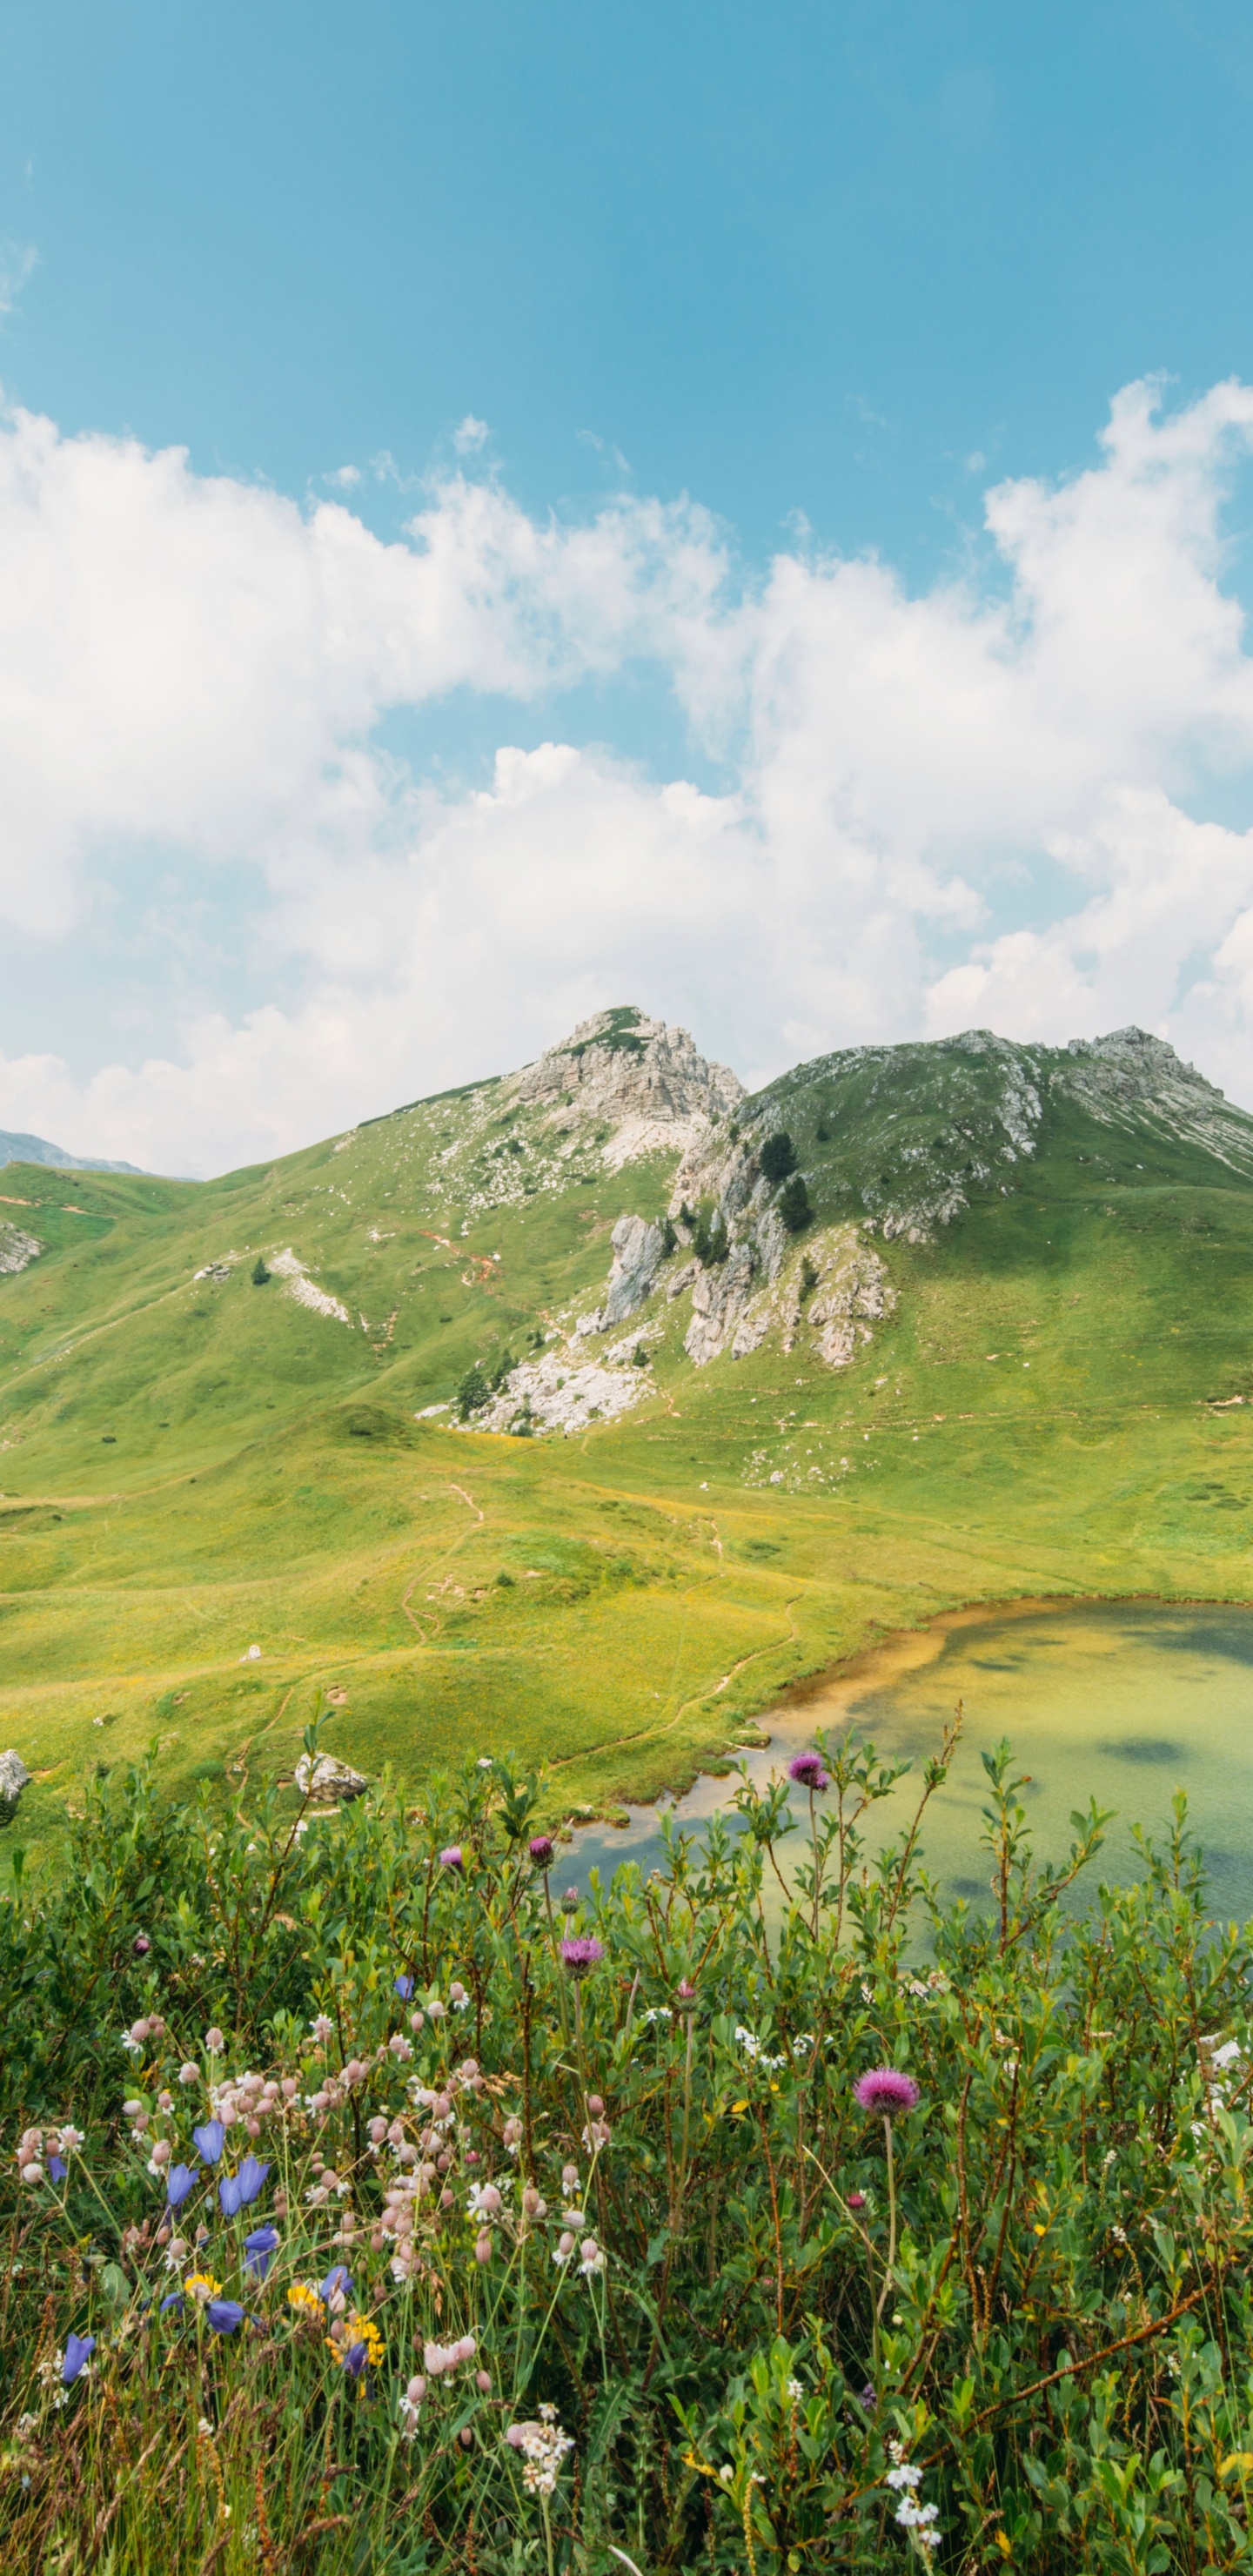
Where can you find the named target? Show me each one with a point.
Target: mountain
(747, 1380)
(36, 1149)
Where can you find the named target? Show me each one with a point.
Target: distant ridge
(36, 1149)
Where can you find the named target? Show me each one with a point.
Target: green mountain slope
(1006, 1351)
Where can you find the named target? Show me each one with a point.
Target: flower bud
(595, 2105)
(489, 2199)
(483, 2382)
(378, 2130)
(447, 2200)
(483, 2248)
(189, 2074)
(141, 1945)
(139, 2031)
(214, 2041)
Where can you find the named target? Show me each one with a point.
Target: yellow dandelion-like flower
(304, 2299)
(201, 2286)
(356, 2344)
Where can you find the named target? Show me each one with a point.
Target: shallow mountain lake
(1122, 1701)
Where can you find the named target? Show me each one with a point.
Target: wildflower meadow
(372, 2201)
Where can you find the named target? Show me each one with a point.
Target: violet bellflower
(235, 2191)
(355, 2359)
(260, 2249)
(808, 1772)
(580, 1953)
(210, 2138)
(886, 2092)
(224, 2315)
(78, 2352)
(338, 2278)
(178, 2182)
(404, 1987)
(57, 2168)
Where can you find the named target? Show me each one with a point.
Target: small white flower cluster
(929, 1988)
(543, 2446)
(657, 2012)
(919, 2520)
(753, 2049)
(1222, 2070)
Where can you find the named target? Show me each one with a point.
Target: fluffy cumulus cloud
(996, 802)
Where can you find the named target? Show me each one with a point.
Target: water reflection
(1123, 1701)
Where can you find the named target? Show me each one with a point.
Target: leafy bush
(423, 2219)
(777, 1157)
(473, 1393)
(793, 1204)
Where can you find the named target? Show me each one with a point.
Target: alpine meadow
(376, 2201)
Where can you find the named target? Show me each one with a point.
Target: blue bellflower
(210, 2137)
(224, 2315)
(78, 2352)
(179, 2181)
(235, 2191)
(260, 2249)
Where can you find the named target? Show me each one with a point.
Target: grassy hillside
(194, 1465)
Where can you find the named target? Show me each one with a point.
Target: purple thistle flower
(338, 2278)
(886, 2092)
(141, 1945)
(541, 1850)
(869, 2398)
(452, 1857)
(806, 1769)
(57, 2168)
(178, 2182)
(210, 2137)
(580, 1953)
(404, 1988)
(235, 2191)
(78, 2352)
(224, 2315)
(260, 2249)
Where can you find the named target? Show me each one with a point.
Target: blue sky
(804, 283)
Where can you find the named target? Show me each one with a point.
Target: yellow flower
(201, 2286)
(304, 2299)
(352, 2331)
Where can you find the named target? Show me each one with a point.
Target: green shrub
(793, 1204)
(642, 2187)
(668, 1238)
(259, 1273)
(777, 1157)
(473, 1393)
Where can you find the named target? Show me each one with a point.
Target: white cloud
(470, 435)
(196, 665)
(18, 262)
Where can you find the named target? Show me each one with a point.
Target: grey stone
(13, 1776)
(637, 1251)
(329, 1782)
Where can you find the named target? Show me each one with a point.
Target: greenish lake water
(1123, 1701)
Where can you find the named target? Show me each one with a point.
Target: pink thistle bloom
(452, 1857)
(886, 2092)
(581, 1952)
(541, 1850)
(806, 1769)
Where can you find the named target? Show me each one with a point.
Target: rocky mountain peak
(647, 1080)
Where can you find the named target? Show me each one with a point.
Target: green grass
(193, 1467)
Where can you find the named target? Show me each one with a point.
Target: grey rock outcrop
(637, 1256)
(17, 1250)
(645, 1080)
(329, 1782)
(13, 1777)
